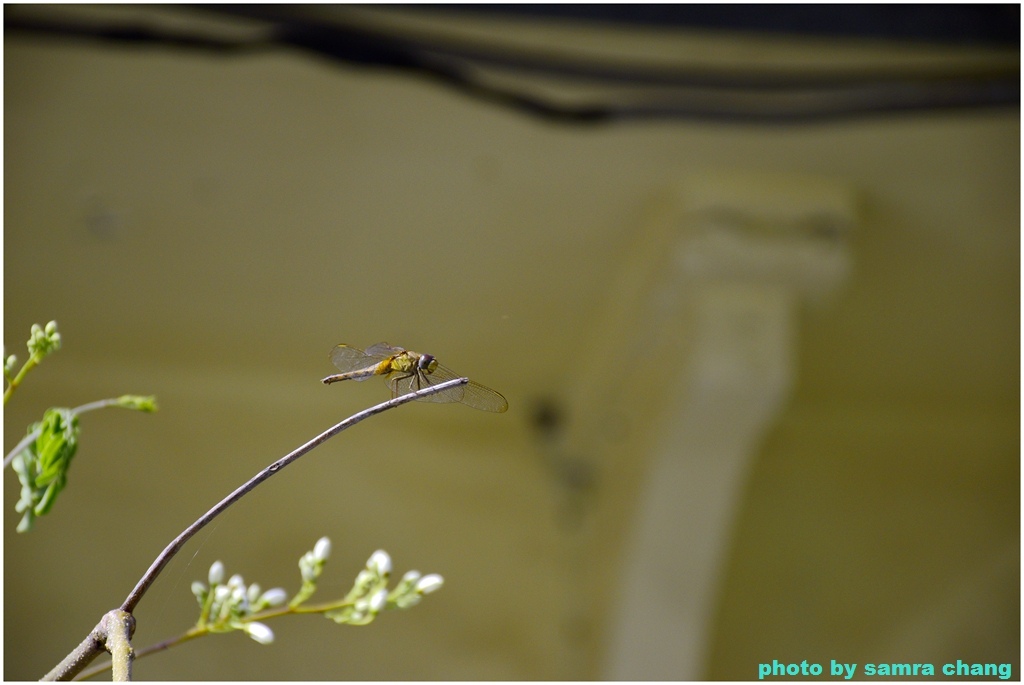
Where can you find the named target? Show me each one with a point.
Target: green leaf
(43, 465)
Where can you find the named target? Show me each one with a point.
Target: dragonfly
(407, 371)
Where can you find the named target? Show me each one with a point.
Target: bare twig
(90, 648)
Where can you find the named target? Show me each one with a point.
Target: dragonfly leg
(398, 379)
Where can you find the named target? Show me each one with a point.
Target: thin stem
(25, 442)
(13, 384)
(98, 404)
(189, 634)
(203, 630)
(165, 556)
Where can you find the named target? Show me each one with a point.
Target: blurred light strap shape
(705, 316)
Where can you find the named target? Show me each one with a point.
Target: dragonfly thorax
(412, 362)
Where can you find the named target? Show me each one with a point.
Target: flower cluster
(228, 606)
(234, 606)
(43, 341)
(369, 594)
(311, 565)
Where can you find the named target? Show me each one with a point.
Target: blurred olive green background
(206, 228)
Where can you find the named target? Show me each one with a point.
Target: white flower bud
(216, 576)
(198, 589)
(253, 593)
(322, 549)
(379, 562)
(308, 568)
(274, 597)
(410, 600)
(221, 593)
(259, 632)
(411, 577)
(428, 584)
(378, 601)
(236, 581)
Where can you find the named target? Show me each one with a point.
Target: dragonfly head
(427, 363)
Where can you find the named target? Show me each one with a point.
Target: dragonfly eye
(427, 363)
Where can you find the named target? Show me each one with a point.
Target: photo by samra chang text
(955, 669)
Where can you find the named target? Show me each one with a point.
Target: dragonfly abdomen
(360, 375)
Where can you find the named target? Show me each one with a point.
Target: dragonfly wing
(382, 350)
(472, 394)
(349, 359)
(481, 397)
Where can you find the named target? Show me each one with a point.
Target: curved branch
(161, 561)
